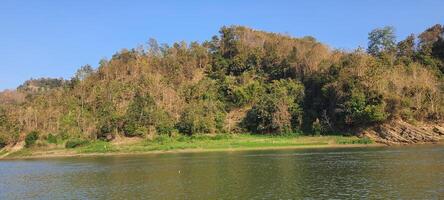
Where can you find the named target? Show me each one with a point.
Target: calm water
(374, 173)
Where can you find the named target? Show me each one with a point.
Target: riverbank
(202, 143)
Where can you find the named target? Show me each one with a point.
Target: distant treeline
(241, 81)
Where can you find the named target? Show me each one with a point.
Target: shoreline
(65, 154)
(139, 146)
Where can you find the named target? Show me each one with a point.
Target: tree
(31, 138)
(431, 47)
(138, 116)
(381, 40)
(278, 110)
(406, 48)
(429, 37)
(153, 47)
(202, 116)
(241, 80)
(83, 73)
(204, 112)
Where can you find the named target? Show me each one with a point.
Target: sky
(48, 38)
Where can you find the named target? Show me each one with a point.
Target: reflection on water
(414, 172)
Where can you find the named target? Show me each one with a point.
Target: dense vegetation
(240, 81)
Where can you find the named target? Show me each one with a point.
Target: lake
(408, 172)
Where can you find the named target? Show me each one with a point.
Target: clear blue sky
(49, 38)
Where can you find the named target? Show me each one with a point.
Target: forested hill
(241, 81)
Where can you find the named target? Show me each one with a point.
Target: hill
(241, 81)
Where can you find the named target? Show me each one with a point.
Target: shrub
(2, 142)
(278, 110)
(162, 139)
(363, 108)
(361, 140)
(316, 127)
(108, 128)
(183, 138)
(143, 114)
(203, 116)
(73, 143)
(31, 138)
(133, 130)
(52, 139)
(364, 140)
(165, 128)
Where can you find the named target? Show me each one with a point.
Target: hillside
(241, 81)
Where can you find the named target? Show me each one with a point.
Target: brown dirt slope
(400, 132)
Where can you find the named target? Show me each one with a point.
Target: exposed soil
(12, 148)
(400, 132)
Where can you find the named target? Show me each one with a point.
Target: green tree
(144, 116)
(84, 72)
(204, 112)
(31, 138)
(278, 110)
(406, 48)
(381, 40)
(202, 116)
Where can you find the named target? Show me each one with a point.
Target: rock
(439, 130)
(109, 137)
(400, 132)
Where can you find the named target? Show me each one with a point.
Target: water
(414, 172)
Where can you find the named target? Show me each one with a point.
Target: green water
(413, 172)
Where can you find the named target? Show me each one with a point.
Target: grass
(21, 153)
(232, 142)
(97, 147)
(2, 152)
(199, 143)
(351, 140)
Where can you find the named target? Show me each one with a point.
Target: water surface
(413, 172)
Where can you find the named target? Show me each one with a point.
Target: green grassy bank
(188, 144)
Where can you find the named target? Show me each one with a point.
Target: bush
(278, 110)
(105, 136)
(108, 128)
(143, 115)
(316, 127)
(2, 142)
(52, 139)
(361, 140)
(364, 108)
(165, 127)
(163, 139)
(203, 116)
(31, 138)
(73, 143)
(364, 140)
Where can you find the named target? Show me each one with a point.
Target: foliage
(381, 40)
(278, 109)
(316, 127)
(83, 73)
(51, 139)
(242, 80)
(139, 116)
(96, 147)
(74, 143)
(361, 140)
(204, 112)
(31, 138)
(41, 84)
(2, 142)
